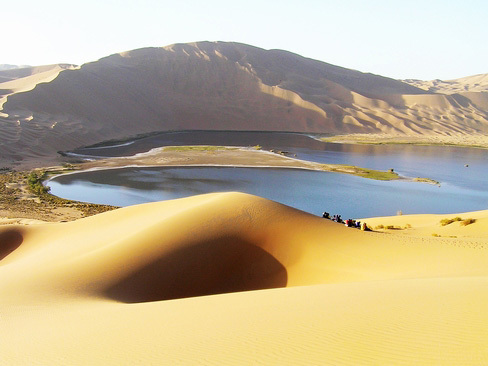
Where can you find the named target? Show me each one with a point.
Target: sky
(416, 39)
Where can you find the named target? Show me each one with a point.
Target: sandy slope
(19, 134)
(25, 79)
(475, 83)
(91, 291)
(225, 86)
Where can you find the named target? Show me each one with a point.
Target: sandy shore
(201, 156)
(131, 286)
(460, 140)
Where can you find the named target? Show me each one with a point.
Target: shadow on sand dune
(9, 241)
(229, 264)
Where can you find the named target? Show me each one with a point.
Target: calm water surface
(462, 188)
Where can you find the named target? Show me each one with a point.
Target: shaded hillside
(225, 86)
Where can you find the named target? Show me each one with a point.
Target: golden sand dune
(475, 83)
(91, 291)
(224, 86)
(469, 90)
(24, 79)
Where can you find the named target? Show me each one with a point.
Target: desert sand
(475, 83)
(466, 140)
(229, 278)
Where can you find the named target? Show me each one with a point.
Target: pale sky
(421, 39)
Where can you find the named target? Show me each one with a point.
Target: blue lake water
(462, 188)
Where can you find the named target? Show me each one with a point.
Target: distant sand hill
(128, 287)
(474, 88)
(11, 67)
(226, 86)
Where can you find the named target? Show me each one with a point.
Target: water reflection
(310, 191)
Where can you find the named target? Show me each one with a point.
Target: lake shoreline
(229, 156)
(461, 141)
(52, 208)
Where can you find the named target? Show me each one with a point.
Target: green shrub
(34, 181)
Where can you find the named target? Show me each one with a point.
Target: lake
(462, 188)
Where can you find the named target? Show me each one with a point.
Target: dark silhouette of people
(349, 222)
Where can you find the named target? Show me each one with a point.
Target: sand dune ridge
(224, 86)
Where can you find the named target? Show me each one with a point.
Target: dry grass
(468, 222)
(18, 198)
(445, 222)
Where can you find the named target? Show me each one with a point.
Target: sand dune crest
(93, 287)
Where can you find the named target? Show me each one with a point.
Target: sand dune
(225, 86)
(127, 286)
(25, 79)
(19, 134)
(475, 83)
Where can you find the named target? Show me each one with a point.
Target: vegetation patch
(15, 202)
(199, 148)
(393, 227)
(426, 180)
(376, 174)
(445, 222)
(361, 172)
(34, 182)
(463, 222)
(389, 174)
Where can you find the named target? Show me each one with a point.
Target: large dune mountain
(224, 86)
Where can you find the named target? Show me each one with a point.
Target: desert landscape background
(231, 278)
(224, 86)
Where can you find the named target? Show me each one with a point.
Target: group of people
(348, 222)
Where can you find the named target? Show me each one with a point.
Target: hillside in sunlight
(219, 86)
